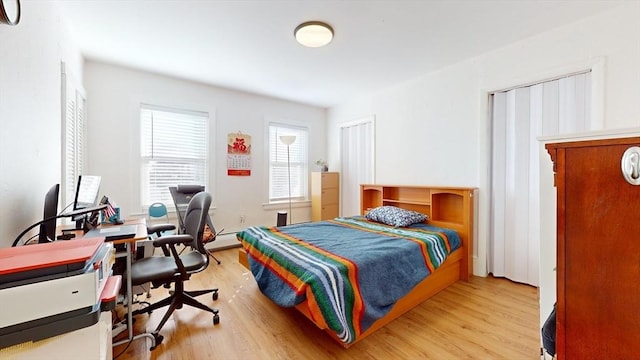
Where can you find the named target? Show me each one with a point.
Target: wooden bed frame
(447, 207)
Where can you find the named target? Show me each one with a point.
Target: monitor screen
(48, 228)
(87, 191)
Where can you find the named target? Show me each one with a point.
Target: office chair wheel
(216, 319)
(158, 340)
(214, 296)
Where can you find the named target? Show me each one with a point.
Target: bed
(351, 276)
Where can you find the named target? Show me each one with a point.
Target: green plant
(321, 163)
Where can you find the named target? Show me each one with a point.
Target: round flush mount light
(313, 33)
(10, 12)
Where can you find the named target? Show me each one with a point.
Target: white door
(357, 162)
(519, 117)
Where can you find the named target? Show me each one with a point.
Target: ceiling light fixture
(10, 12)
(313, 33)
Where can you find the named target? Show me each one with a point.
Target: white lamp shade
(314, 34)
(288, 139)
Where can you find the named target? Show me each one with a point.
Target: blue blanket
(351, 271)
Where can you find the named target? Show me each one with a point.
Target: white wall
(434, 130)
(431, 130)
(114, 95)
(30, 112)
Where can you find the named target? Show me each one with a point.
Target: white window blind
(173, 151)
(74, 133)
(298, 159)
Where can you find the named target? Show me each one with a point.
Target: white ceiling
(249, 45)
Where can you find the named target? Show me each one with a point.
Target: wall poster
(238, 154)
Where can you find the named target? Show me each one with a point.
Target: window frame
(304, 170)
(74, 129)
(144, 159)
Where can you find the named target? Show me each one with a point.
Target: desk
(130, 244)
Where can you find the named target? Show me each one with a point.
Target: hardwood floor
(485, 318)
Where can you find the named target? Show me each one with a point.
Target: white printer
(52, 288)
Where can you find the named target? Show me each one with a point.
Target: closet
(598, 248)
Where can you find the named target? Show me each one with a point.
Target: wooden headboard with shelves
(447, 207)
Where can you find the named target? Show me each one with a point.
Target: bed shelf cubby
(448, 207)
(440, 204)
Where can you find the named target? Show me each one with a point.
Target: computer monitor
(86, 196)
(48, 227)
(86, 191)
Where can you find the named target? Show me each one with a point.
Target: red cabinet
(598, 251)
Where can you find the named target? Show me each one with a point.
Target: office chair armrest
(168, 245)
(172, 240)
(159, 228)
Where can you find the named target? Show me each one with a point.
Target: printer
(53, 288)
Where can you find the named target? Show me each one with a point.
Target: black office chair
(176, 268)
(159, 229)
(181, 195)
(144, 249)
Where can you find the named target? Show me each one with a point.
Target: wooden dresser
(598, 250)
(325, 195)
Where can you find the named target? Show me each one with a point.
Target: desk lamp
(63, 215)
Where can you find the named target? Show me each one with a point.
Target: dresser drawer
(329, 180)
(329, 196)
(329, 211)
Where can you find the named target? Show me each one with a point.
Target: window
(298, 158)
(73, 135)
(173, 151)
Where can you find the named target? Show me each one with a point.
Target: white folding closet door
(520, 116)
(510, 252)
(356, 162)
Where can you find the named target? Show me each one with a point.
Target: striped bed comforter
(350, 270)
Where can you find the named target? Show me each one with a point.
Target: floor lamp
(288, 140)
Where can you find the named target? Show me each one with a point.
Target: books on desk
(111, 233)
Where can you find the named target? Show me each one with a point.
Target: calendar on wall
(238, 154)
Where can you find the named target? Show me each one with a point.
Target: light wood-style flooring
(485, 318)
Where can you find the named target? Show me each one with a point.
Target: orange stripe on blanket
(314, 310)
(352, 271)
(287, 277)
(425, 251)
(423, 246)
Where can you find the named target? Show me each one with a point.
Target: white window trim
(295, 203)
(209, 144)
(70, 87)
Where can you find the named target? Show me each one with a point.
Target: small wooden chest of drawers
(325, 195)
